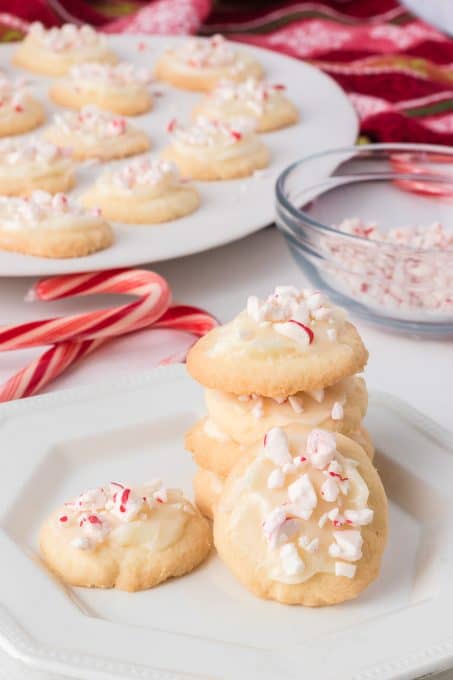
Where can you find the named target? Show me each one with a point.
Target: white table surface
(419, 371)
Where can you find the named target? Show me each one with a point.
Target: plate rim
(19, 643)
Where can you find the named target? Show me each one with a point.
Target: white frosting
(311, 509)
(41, 210)
(32, 157)
(208, 53)
(142, 177)
(67, 38)
(91, 124)
(14, 96)
(123, 78)
(150, 515)
(251, 97)
(299, 317)
(216, 139)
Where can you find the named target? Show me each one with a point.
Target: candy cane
(78, 335)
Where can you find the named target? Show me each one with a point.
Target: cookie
(293, 341)
(144, 191)
(126, 538)
(264, 102)
(362, 437)
(51, 226)
(246, 418)
(214, 150)
(96, 134)
(53, 51)
(122, 88)
(212, 449)
(207, 487)
(201, 63)
(30, 164)
(303, 519)
(19, 111)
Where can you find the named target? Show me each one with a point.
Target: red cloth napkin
(395, 68)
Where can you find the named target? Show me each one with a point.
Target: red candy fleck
(63, 518)
(159, 500)
(236, 135)
(124, 498)
(94, 519)
(171, 125)
(265, 439)
(337, 474)
(142, 46)
(18, 108)
(308, 330)
(279, 86)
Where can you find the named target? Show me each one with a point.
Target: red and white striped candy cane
(78, 335)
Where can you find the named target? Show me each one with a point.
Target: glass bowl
(349, 217)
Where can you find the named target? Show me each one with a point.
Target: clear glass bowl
(383, 277)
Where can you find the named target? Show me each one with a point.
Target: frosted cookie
(53, 51)
(247, 417)
(207, 487)
(122, 88)
(362, 437)
(92, 133)
(303, 520)
(19, 111)
(26, 165)
(143, 192)
(210, 150)
(293, 341)
(201, 63)
(127, 538)
(265, 103)
(51, 226)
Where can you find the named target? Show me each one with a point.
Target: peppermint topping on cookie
(318, 476)
(98, 512)
(42, 210)
(14, 151)
(108, 75)
(143, 172)
(253, 95)
(211, 133)
(213, 52)
(294, 313)
(13, 95)
(65, 38)
(91, 121)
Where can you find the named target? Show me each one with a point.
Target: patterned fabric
(397, 70)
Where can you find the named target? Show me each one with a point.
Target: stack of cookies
(289, 360)
(285, 466)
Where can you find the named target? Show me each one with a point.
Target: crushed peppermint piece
(296, 404)
(291, 560)
(276, 479)
(276, 446)
(321, 448)
(337, 412)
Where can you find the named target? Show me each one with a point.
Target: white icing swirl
(13, 95)
(220, 139)
(252, 97)
(32, 157)
(123, 78)
(91, 123)
(208, 53)
(150, 515)
(41, 210)
(142, 177)
(67, 38)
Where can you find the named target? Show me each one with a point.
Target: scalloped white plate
(229, 210)
(205, 625)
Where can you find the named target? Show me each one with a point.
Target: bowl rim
(397, 147)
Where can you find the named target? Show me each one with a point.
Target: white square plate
(205, 625)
